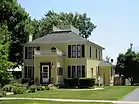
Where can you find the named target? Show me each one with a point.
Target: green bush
(43, 88)
(2, 93)
(81, 82)
(86, 82)
(18, 90)
(71, 82)
(39, 88)
(32, 89)
(7, 88)
(47, 88)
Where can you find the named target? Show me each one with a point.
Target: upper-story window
(29, 52)
(96, 54)
(99, 54)
(74, 48)
(90, 52)
(76, 51)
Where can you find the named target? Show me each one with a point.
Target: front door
(45, 73)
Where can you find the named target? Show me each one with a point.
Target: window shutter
(90, 52)
(26, 52)
(69, 71)
(69, 51)
(96, 53)
(25, 71)
(83, 71)
(83, 50)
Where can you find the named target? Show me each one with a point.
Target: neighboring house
(61, 54)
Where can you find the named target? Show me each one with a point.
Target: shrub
(86, 82)
(71, 82)
(39, 88)
(81, 82)
(25, 80)
(18, 90)
(2, 93)
(7, 88)
(47, 88)
(43, 88)
(32, 89)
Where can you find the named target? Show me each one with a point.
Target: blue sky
(117, 20)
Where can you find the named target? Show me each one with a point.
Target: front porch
(48, 68)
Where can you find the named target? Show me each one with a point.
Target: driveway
(133, 96)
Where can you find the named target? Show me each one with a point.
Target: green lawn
(109, 93)
(41, 102)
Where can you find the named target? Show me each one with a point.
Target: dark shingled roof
(61, 37)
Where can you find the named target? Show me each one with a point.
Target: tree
(5, 76)
(80, 21)
(16, 19)
(128, 65)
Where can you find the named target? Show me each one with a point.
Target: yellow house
(61, 54)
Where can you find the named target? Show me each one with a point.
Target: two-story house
(61, 54)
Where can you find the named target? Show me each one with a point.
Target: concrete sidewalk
(74, 100)
(133, 96)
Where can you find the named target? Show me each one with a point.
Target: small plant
(47, 88)
(18, 90)
(43, 88)
(39, 88)
(7, 88)
(32, 89)
(2, 93)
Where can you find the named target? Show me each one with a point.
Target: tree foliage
(15, 17)
(4, 52)
(80, 21)
(128, 65)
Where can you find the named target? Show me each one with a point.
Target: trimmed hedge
(80, 83)
(70, 82)
(86, 82)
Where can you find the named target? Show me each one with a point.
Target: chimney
(30, 37)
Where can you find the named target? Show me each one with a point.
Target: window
(79, 71)
(78, 51)
(96, 54)
(73, 51)
(29, 52)
(29, 72)
(99, 54)
(76, 71)
(90, 52)
(60, 70)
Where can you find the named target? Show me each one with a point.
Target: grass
(109, 93)
(42, 102)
